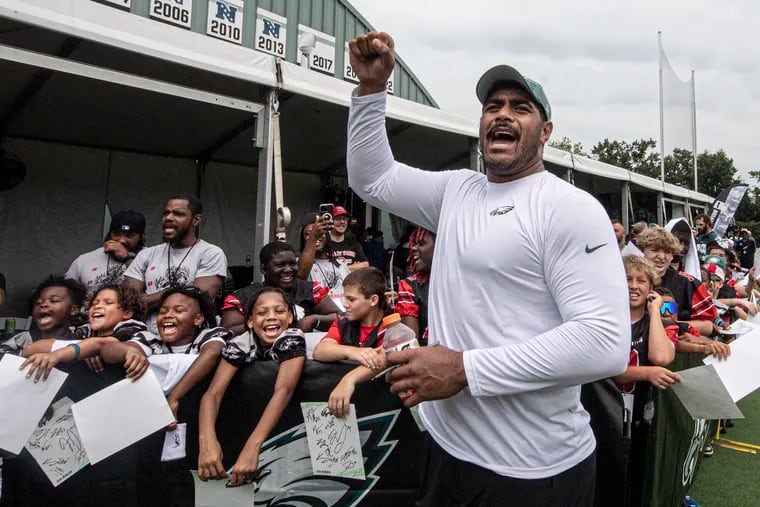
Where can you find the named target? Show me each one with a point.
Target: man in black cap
(107, 263)
(525, 306)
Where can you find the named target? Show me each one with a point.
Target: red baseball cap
(340, 211)
(715, 271)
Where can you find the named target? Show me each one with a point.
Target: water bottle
(10, 326)
(689, 502)
(398, 337)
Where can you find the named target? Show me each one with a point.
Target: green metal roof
(337, 18)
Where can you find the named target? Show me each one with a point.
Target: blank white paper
(120, 415)
(739, 372)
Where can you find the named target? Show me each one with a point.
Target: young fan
(689, 339)
(111, 311)
(652, 348)
(413, 290)
(694, 303)
(56, 303)
(268, 338)
(279, 266)
(317, 261)
(114, 310)
(358, 336)
(183, 321)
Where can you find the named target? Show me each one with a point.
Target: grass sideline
(729, 478)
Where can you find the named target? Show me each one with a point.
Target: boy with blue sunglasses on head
(689, 339)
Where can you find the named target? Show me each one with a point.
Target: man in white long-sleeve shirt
(525, 303)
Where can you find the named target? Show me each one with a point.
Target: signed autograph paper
(56, 445)
(333, 443)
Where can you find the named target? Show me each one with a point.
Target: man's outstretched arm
(372, 172)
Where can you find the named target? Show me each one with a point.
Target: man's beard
(527, 148)
(178, 236)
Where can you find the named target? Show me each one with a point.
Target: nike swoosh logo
(592, 250)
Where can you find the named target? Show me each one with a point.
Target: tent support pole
(265, 177)
(625, 190)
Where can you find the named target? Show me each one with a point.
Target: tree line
(715, 170)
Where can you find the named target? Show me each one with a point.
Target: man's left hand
(434, 373)
(116, 249)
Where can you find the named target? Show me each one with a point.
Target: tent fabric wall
(143, 183)
(56, 210)
(228, 193)
(56, 213)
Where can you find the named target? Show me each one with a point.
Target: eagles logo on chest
(501, 210)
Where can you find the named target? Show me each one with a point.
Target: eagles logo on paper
(225, 20)
(501, 210)
(270, 33)
(285, 467)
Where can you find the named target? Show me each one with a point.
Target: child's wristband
(77, 350)
(319, 320)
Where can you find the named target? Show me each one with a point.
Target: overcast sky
(596, 60)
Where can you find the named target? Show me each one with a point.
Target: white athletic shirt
(527, 280)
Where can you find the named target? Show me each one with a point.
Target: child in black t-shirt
(652, 348)
(268, 337)
(111, 311)
(56, 302)
(185, 326)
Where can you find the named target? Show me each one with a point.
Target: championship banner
(270, 33)
(323, 56)
(675, 445)
(175, 12)
(225, 20)
(724, 207)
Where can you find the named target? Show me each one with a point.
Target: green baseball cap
(506, 74)
(716, 259)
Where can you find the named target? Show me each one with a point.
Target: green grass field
(729, 478)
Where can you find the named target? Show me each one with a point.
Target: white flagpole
(662, 111)
(694, 127)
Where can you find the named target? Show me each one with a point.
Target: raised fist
(372, 58)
